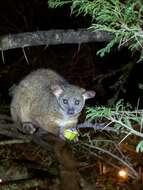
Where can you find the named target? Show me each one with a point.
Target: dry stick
(114, 156)
(63, 153)
(68, 168)
(133, 131)
(22, 184)
(106, 151)
(14, 141)
(10, 130)
(52, 37)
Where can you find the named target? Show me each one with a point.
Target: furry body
(47, 100)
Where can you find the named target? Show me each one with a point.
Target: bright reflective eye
(76, 102)
(65, 101)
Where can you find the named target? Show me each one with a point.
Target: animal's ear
(56, 89)
(88, 94)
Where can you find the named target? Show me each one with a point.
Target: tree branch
(23, 184)
(61, 149)
(97, 127)
(52, 37)
(9, 129)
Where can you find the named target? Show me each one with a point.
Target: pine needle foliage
(123, 18)
(122, 118)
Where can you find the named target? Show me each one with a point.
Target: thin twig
(112, 155)
(125, 126)
(15, 141)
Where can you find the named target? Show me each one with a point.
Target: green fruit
(70, 134)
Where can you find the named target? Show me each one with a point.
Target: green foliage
(57, 3)
(98, 112)
(139, 147)
(120, 117)
(122, 18)
(140, 85)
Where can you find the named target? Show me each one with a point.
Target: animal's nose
(71, 111)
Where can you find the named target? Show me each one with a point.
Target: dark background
(79, 65)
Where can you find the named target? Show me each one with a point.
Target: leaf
(139, 147)
(127, 122)
(140, 85)
(117, 126)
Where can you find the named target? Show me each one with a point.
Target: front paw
(28, 128)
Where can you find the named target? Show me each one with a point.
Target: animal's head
(71, 99)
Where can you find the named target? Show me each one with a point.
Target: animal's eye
(77, 102)
(65, 101)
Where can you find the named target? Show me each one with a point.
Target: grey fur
(39, 99)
